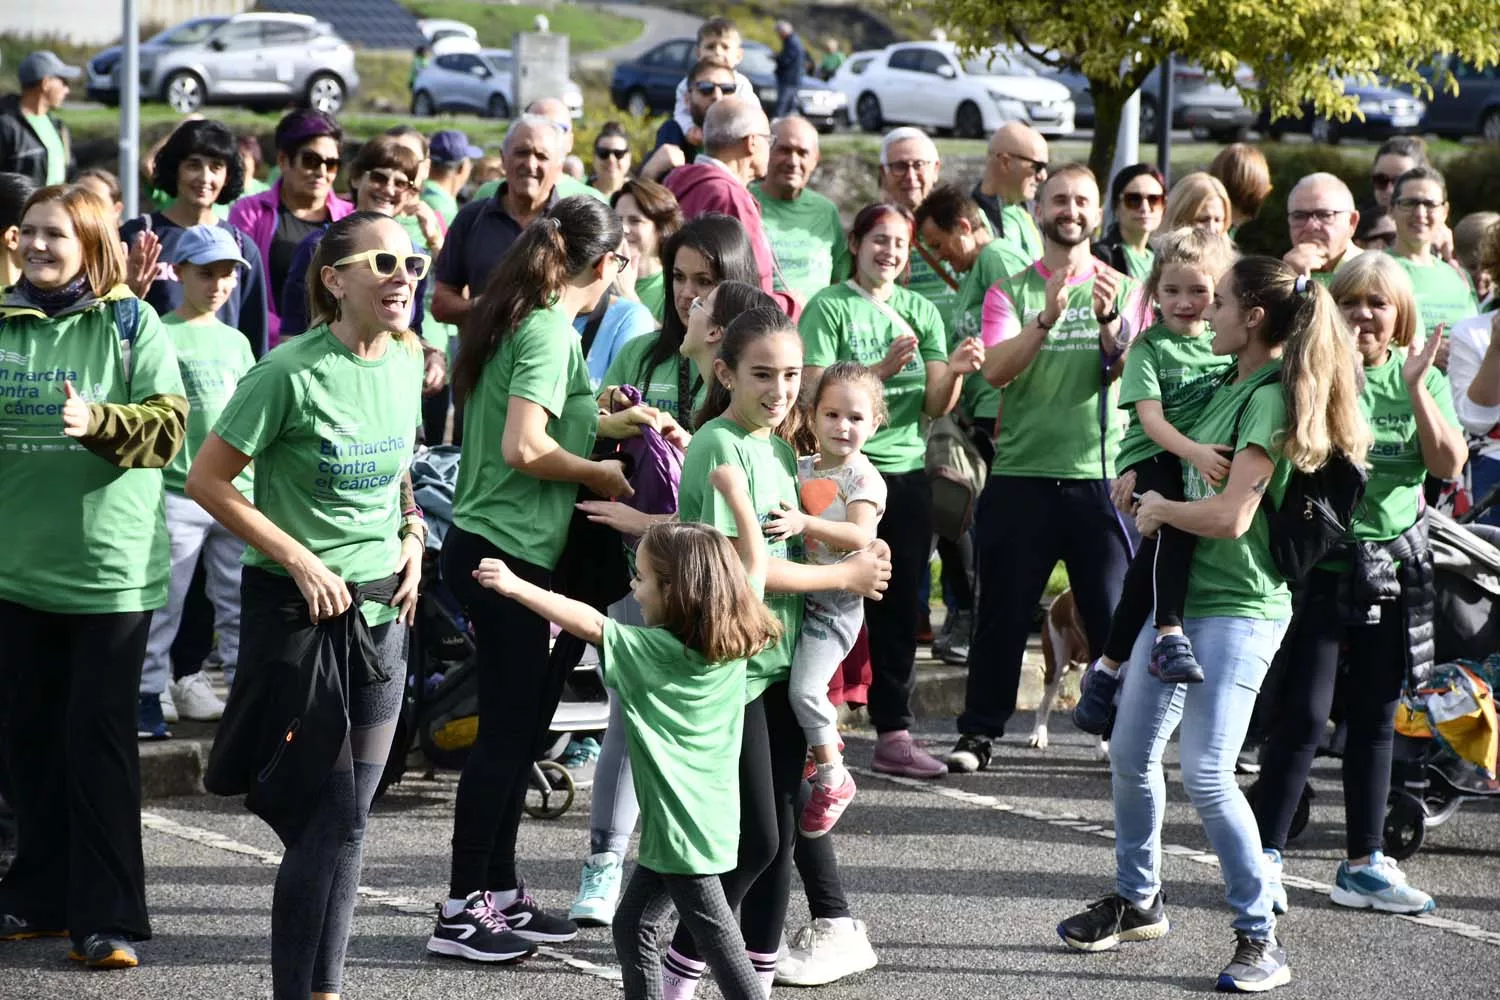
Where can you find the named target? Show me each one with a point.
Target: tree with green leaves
(1301, 50)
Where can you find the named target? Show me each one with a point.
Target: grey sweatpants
(613, 810)
(830, 625)
(190, 530)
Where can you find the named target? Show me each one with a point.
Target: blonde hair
(93, 224)
(707, 602)
(1377, 272)
(1189, 246)
(854, 373)
(1189, 195)
(1320, 373)
(1489, 251)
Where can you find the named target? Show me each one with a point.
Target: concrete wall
(98, 22)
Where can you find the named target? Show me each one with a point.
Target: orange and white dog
(1065, 648)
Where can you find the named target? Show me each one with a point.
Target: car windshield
(190, 33)
(758, 62)
(997, 63)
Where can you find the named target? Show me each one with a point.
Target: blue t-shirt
(624, 320)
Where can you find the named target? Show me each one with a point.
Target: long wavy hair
(707, 602)
(722, 241)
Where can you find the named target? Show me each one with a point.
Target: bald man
(555, 111)
(803, 227)
(1321, 216)
(1016, 165)
(736, 152)
(909, 168)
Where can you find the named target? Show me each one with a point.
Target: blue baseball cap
(44, 63)
(205, 245)
(452, 146)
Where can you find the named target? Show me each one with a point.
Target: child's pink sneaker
(825, 807)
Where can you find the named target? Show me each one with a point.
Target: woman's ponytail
(1321, 383)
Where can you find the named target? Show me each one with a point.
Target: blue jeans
(1235, 653)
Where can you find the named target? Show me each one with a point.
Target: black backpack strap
(595, 320)
(127, 313)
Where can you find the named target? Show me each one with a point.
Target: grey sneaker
(954, 647)
(1258, 965)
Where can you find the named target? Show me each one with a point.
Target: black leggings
(892, 622)
(518, 694)
(1376, 655)
(316, 886)
(701, 907)
(1158, 575)
(771, 759)
(69, 688)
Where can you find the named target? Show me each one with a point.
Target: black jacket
(790, 60)
(21, 149)
(1111, 249)
(288, 713)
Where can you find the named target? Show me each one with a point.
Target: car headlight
(1008, 106)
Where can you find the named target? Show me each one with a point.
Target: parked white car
(465, 78)
(929, 84)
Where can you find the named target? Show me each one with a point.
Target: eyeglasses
(616, 153)
(910, 166)
(385, 262)
(385, 178)
(1135, 199)
(1381, 181)
(706, 87)
(310, 161)
(1417, 204)
(1322, 215)
(620, 258)
(1037, 166)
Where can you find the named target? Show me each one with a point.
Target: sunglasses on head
(706, 87)
(384, 178)
(612, 152)
(310, 161)
(385, 262)
(1135, 199)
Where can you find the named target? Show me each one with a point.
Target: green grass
(588, 28)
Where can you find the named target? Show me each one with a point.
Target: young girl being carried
(843, 497)
(681, 682)
(1170, 373)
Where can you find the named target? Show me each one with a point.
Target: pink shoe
(825, 807)
(898, 753)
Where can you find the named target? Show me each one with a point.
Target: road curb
(173, 767)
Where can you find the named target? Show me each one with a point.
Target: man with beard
(1322, 218)
(709, 82)
(1015, 167)
(803, 227)
(1052, 333)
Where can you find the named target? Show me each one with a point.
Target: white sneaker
(168, 706)
(196, 700)
(824, 952)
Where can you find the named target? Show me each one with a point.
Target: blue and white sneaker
(581, 758)
(1258, 966)
(1096, 702)
(598, 891)
(1271, 864)
(1379, 885)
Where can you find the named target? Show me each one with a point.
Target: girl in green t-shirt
(1410, 409)
(680, 680)
(1419, 204)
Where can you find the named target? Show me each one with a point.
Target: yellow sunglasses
(385, 262)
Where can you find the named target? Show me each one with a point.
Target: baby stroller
(440, 715)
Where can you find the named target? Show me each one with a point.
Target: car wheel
(325, 93)
(1490, 127)
(969, 122)
(1229, 135)
(868, 112)
(184, 92)
(498, 107)
(1323, 131)
(1148, 121)
(637, 104)
(422, 105)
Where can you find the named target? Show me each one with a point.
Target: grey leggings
(703, 911)
(613, 810)
(313, 905)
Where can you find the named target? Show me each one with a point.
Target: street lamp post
(130, 113)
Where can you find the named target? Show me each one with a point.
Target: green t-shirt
(807, 237)
(567, 187)
(1393, 494)
(1235, 577)
(840, 324)
(82, 536)
(1021, 233)
(652, 293)
(332, 436)
(996, 260)
(212, 357)
(684, 721)
(1443, 293)
(661, 387)
(1179, 372)
(1138, 263)
(1052, 412)
(770, 466)
(541, 361)
(440, 201)
(1325, 278)
(57, 154)
(254, 186)
(930, 285)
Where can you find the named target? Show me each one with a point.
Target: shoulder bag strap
(595, 320)
(127, 314)
(938, 267)
(884, 307)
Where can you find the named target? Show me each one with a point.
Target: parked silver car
(271, 59)
(465, 78)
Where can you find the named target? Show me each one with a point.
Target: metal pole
(1164, 121)
(130, 113)
(1127, 145)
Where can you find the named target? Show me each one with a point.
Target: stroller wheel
(1405, 825)
(551, 792)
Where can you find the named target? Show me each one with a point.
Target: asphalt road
(962, 882)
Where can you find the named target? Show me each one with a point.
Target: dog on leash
(1065, 649)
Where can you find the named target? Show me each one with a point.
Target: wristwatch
(1109, 318)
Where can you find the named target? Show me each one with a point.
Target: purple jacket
(255, 216)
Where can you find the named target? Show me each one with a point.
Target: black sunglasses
(309, 161)
(1134, 199)
(706, 87)
(619, 153)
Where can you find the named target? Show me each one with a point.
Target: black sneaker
(1111, 920)
(1258, 965)
(105, 951)
(531, 923)
(971, 753)
(1095, 710)
(478, 933)
(14, 927)
(1172, 661)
